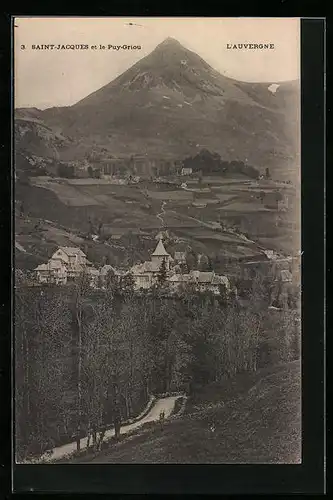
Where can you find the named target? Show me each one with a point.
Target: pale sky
(45, 78)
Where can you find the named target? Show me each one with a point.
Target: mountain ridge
(172, 102)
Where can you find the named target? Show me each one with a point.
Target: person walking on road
(162, 417)
(117, 425)
(90, 435)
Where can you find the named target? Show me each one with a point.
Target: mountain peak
(170, 40)
(170, 43)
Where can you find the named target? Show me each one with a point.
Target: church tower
(161, 254)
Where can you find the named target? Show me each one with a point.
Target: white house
(73, 258)
(52, 272)
(66, 263)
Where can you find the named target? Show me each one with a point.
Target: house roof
(42, 267)
(145, 267)
(49, 266)
(160, 250)
(200, 277)
(180, 278)
(70, 251)
(206, 277)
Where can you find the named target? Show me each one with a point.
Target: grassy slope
(136, 206)
(257, 424)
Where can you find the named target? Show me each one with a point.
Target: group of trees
(87, 359)
(66, 171)
(94, 172)
(211, 163)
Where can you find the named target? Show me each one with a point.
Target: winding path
(162, 212)
(163, 404)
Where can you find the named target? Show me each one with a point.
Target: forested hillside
(84, 358)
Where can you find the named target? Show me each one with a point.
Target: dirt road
(164, 404)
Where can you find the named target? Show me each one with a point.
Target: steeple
(160, 250)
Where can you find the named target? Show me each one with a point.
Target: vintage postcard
(157, 240)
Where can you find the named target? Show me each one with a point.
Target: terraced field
(194, 213)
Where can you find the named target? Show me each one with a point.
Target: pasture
(73, 204)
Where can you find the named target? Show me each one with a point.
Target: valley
(156, 247)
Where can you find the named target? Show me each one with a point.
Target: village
(68, 263)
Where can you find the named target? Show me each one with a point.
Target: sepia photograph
(157, 240)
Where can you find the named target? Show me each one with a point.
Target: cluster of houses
(67, 263)
(146, 274)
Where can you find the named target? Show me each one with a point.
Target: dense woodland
(87, 359)
(207, 162)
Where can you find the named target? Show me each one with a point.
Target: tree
(92, 229)
(42, 337)
(81, 289)
(160, 331)
(262, 196)
(260, 290)
(223, 295)
(203, 263)
(66, 171)
(201, 366)
(100, 228)
(183, 268)
(191, 261)
(127, 284)
(110, 279)
(20, 278)
(162, 273)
